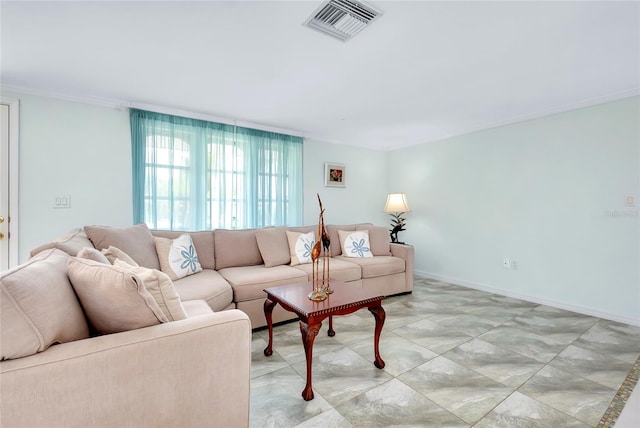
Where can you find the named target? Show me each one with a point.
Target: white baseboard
(529, 298)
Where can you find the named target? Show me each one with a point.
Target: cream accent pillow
(355, 244)
(93, 254)
(178, 257)
(300, 246)
(114, 253)
(273, 245)
(161, 288)
(202, 240)
(113, 298)
(332, 230)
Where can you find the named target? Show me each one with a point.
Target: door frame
(14, 175)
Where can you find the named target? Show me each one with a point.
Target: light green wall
(76, 149)
(549, 193)
(365, 193)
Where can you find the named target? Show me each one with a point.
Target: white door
(8, 183)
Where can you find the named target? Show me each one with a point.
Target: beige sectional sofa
(190, 372)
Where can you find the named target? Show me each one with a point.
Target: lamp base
(394, 237)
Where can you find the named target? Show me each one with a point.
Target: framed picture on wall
(334, 174)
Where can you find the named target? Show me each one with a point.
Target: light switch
(629, 201)
(63, 201)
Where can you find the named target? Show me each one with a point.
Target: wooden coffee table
(344, 300)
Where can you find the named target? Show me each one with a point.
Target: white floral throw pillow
(178, 257)
(355, 244)
(300, 246)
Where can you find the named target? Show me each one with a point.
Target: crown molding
(589, 102)
(124, 105)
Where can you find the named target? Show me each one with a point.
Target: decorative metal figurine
(326, 252)
(316, 294)
(321, 250)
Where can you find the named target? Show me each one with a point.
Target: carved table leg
(268, 314)
(309, 333)
(379, 315)
(331, 332)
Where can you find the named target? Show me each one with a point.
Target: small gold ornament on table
(320, 251)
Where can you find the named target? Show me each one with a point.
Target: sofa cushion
(161, 288)
(39, 307)
(203, 241)
(114, 253)
(178, 257)
(207, 285)
(70, 243)
(113, 298)
(273, 246)
(355, 244)
(236, 248)
(248, 282)
(378, 239)
(136, 241)
(300, 246)
(377, 266)
(93, 254)
(338, 269)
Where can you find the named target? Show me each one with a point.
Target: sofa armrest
(193, 372)
(406, 253)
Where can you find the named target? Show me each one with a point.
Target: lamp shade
(397, 203)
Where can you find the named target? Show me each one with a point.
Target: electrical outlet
(506, 263)
(514, 265)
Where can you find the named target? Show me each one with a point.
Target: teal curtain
(191, 174)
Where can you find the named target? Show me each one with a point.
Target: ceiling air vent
(342, 19)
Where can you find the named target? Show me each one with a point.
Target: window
(190, 174)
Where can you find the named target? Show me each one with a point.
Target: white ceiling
(424, 71)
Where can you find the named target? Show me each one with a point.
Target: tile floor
(455, 357)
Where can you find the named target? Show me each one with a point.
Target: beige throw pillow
(136, 241)
(38, 306)
(300, 246)
(93, 254)
(161, 288)
(113, 298)
(355, 244)
(178, 257)
(71, 242)
(114, 253)
(234, 248)
(273, 246)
